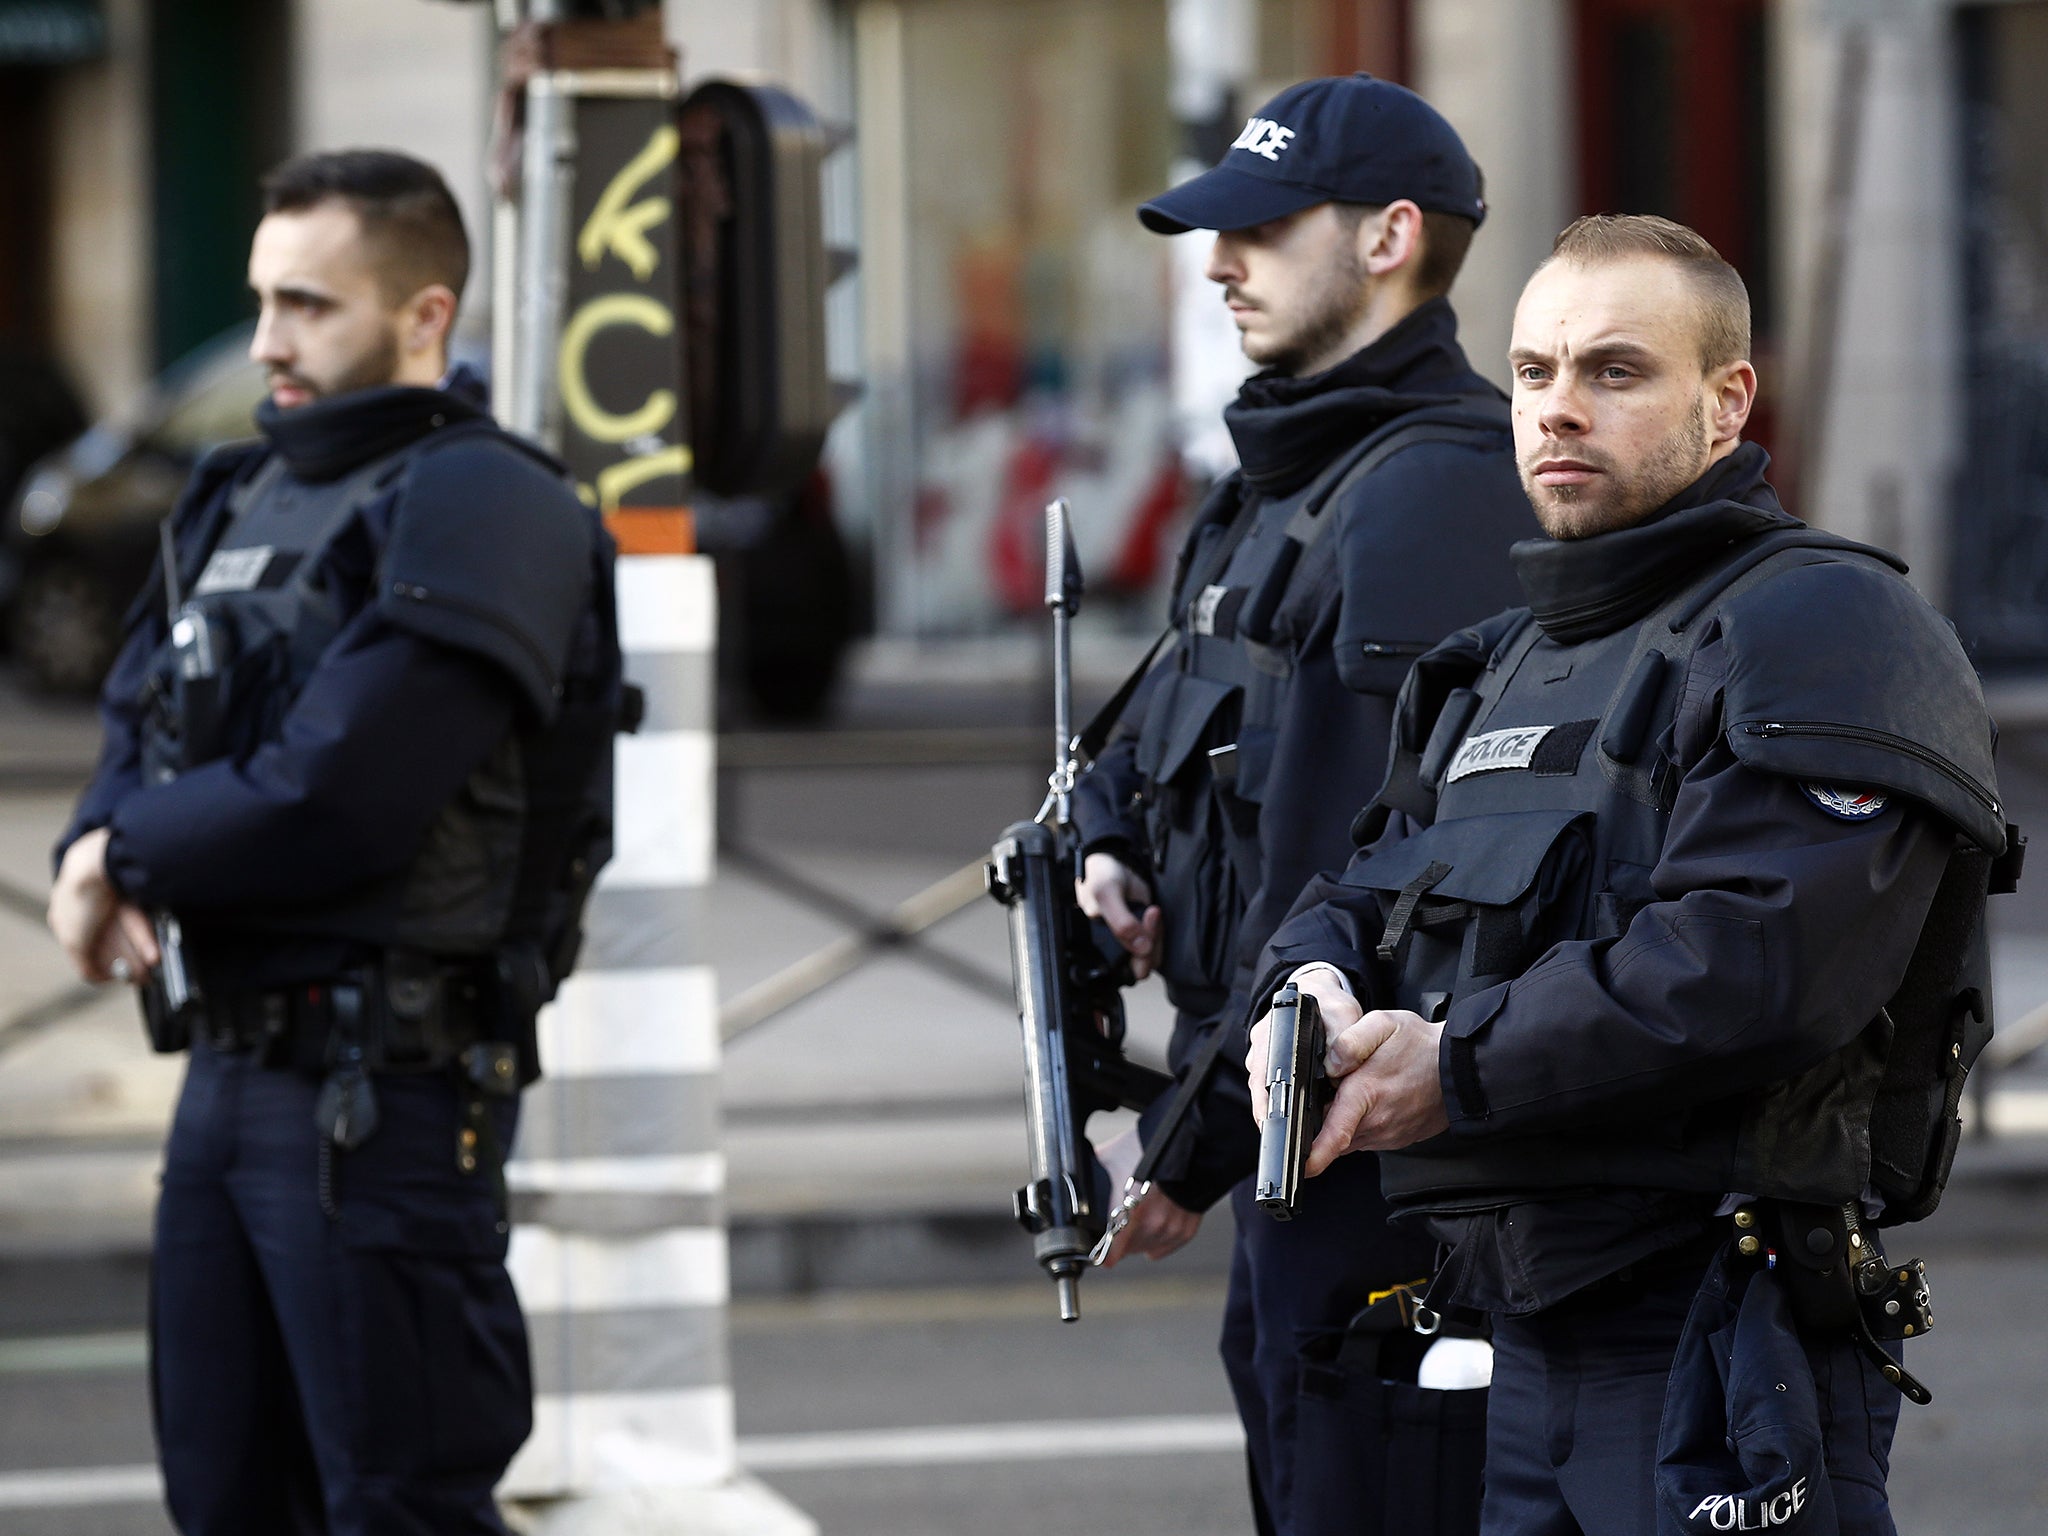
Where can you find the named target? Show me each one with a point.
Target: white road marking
(63, 1353)
(951, 1443)
(828, 1451)
(80, 1485)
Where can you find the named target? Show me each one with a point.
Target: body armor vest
(1539, 773)
(1246, 598)
(239, 649)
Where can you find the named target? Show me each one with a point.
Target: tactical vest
(1247, 593)
(254, 623)
(1539, 770)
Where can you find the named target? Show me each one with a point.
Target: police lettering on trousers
(1728, 1512)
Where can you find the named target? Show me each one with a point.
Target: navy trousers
(1578, 1395)
(1293, 1287)
(333, 1349)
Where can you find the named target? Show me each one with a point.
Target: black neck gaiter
(328, 438)
(1580, 589)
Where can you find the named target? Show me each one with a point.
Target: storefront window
(1038, 317)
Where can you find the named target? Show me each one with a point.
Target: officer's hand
(82, 904)
(1339, 1010)
(127, 949)
(1388, 1092)
(1109, 889)
(1159, 1226)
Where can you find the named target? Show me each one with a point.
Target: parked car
(83, 528)
(81, 535)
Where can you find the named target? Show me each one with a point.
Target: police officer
(351, 794)
(1660, 958)
(1371, 516)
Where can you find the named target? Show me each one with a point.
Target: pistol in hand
(1298, 1092)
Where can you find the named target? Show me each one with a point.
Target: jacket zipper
(412, 592)
(1911, 749)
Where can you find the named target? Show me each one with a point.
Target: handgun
(1298, 1092)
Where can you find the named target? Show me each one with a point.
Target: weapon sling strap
(1183, 1100)
(1304, 527)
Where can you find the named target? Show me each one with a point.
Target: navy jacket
(1422, 549)
(1777, 920)
(384, 732)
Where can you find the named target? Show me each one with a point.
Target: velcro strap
(1402, 917)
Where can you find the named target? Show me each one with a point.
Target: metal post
(618, 1182)
(546, 181)
(620, 1255)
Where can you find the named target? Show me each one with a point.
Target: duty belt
(406, 1021)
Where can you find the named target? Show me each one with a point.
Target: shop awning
(51, 31)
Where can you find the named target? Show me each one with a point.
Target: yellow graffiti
(590, 418)
(619, 225)
(616, 480)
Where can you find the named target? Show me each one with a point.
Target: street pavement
(896, 1360)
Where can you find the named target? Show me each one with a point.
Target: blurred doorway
(1673, 119)
(38, 408)
(2000, 596)
(24, 195)
(220, 108)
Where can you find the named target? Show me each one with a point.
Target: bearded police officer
(1656, 986)
(1371, 516)
(352, 793)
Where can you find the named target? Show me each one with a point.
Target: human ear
(1731, 395)
(1391, 239)
(429, 316)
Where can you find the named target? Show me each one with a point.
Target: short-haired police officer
(1654, 897)
(1371, 516)
(343, 787)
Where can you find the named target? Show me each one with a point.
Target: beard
(1336, 299)
(1618, 498)
(368, 370)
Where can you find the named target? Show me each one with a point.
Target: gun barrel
(1293, 1072)
(1063, 587)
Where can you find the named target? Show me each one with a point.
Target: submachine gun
(1069, 976)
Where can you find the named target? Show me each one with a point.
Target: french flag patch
(1845, 802)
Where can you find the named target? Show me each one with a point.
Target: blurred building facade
(1878, 169)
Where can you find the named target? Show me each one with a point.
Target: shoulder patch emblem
(1845, 802)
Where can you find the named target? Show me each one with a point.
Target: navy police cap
(1741, 1447)
(1345, 139)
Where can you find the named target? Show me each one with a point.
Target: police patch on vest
(1845, 802)
(233, 570)
(1512, 748)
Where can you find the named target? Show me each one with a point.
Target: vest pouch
(1477, 899)
(1197, 885)
(1187, 715)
